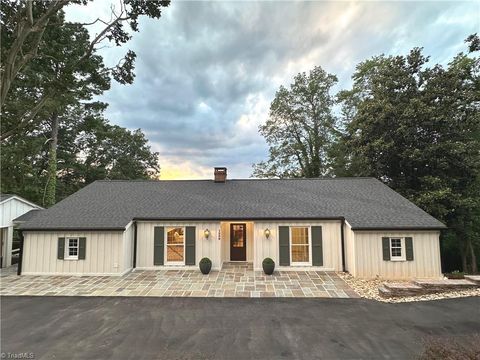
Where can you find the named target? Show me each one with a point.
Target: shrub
(205, 260)
(268, 261)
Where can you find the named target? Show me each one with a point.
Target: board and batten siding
(210, 247)
(104, 254)
(332, 248)
(369, 257)
(349, 249)
(11, 209)
(128, 247)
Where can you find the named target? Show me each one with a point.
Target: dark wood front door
(238, 242)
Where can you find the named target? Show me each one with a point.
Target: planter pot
(268, 268)
(205, 267)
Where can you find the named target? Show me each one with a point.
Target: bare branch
(30, 12)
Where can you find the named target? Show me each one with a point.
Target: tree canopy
(300, 127)
(414, 126)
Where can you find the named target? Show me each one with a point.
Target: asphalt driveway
(222, 328)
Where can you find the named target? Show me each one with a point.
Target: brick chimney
(220, 174)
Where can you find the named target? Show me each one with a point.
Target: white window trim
(402, 243)
(309, 229)
(166, 262)
(67, 246)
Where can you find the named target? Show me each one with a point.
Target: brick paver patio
(233, 280)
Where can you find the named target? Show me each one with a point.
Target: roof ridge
(248, 179)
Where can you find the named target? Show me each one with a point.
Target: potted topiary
(268, 266)
(205, 265)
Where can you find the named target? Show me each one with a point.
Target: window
(299, 245)
(71, 248)
(175, 245)
(397, 249)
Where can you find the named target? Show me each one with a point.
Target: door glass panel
(237, 241)
(175, 244)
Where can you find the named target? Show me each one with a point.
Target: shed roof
(365, 203)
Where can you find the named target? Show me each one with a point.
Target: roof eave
(402, 228)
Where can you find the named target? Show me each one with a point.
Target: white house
(355, 224)
(11, 207)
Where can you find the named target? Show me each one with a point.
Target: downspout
(342, 238)
(134, 244)
(20, 255)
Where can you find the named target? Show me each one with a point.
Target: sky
(206, 72)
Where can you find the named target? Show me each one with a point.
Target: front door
(238, 242)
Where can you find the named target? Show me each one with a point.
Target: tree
(92, 149)
(24, 24)
(417, 129)
(300, 128)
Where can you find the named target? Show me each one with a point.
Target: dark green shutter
(386, 248)
(409, 248)
(284, 245)
(158, 243)
(190, 245)
(317, 246)
(82, 248)
(61, 248)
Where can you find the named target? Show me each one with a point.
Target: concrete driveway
(216, 328)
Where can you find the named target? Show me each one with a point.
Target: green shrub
(268, 261)
(205, 260)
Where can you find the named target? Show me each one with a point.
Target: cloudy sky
(206, 72)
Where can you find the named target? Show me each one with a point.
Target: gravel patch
(369, 289)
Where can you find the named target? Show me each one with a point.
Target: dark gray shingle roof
(364, 202)
(28, 216)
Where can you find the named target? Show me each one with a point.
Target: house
(11, 207)
(355, 224)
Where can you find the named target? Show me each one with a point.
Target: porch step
(403, 289)
(473, 278)
(443, 285)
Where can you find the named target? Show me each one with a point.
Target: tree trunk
(463, 254)
(51, 187)
(473, 257)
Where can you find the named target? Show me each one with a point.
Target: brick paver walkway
(233, 280)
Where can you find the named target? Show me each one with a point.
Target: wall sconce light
(206, 233)
(267, 233)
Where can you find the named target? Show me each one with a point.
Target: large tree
(417, 129)
(24, 25)
(91, 149)
(300, 128)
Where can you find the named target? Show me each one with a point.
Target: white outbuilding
(11, 207)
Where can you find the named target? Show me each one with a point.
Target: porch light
(267, 233)
(206, 233)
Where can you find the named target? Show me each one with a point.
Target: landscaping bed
(369, 289)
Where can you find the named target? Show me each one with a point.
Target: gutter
(20, 255)
(404, 228)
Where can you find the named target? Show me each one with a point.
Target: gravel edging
(368, 288)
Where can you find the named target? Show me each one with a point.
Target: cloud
(207, 71)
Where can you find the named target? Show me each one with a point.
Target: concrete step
(403, 289)
(446, 284)
(473, 278)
